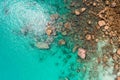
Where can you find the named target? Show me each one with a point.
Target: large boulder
(81, 53)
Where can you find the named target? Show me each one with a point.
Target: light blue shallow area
(20, 61)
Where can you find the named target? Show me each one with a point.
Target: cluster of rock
(109, 27)
(88, 23)
(92, 21)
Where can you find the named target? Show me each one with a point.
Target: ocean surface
(19, 59)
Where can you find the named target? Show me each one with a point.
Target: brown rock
(116, 66)
(106, 33)
(83, 9)
(61, 42)
(49, 32)
(89, 21)
(106, 27)
(104, 59)
(101, 23)
(84, 1)
(113, 4)
(77, 12)
(82, 53)
(118, 78)
(94, 4)
(114, 57)
(93, 37)
(97, 27)
(118, 51)
(88, 37)
(111, 41)
(54, 16)
(67, 25)
(96, 40)
(107, 2)
(112, 33)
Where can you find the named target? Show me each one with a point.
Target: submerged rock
(64, 33)
(54, 16)
(42, 45)
(49, 31)
(67, 25)
(75, 48)
(61, 42)
(82, 53)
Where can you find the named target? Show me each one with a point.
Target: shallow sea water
(19, 60)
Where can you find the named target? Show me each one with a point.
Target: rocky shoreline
(93, 30)
(94, 21)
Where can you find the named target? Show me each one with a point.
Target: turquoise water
(19, 60)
